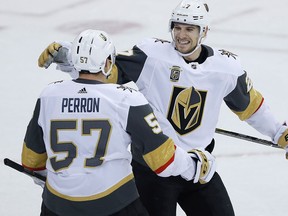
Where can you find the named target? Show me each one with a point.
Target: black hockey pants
(160, 195)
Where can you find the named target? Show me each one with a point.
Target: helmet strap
(201, 37)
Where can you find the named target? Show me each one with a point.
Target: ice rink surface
(256, 176)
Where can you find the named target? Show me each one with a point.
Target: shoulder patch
(227, 53)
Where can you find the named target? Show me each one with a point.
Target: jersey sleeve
(265, 122)
(129, 65)
(157, 150)
(34, 154)
(147, 136)
(244, 100)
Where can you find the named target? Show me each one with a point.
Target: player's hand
(48, 55)
(283, 139)
(205, 165)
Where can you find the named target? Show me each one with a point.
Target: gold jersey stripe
(92, 197)
(256, 100)
(161, 155)
(33, 160)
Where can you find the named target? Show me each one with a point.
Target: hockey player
(185, 82)
(80, 132)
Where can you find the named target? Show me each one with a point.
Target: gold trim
(255, 101)
(92, 197)
(161, 155)
(32, 159)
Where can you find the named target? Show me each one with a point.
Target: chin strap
(186, 54)
(190, 53)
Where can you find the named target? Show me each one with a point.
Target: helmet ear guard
(91, 49)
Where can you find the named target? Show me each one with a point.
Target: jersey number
(153, 123)
(70, 148)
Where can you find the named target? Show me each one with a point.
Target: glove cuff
(281, 137)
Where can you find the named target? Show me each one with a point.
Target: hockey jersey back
(84, 127)
(86, 131)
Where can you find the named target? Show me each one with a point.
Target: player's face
(185, 37)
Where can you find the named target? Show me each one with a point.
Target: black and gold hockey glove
(48, 55)
(283, 141)
(205, 165)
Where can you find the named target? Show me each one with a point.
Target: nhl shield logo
(186, 109)
(175, 73)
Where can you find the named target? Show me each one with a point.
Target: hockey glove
(281, 138)
(48, 55)
(39, 181)
(205, 165)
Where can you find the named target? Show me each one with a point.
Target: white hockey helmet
(90, 50)
(193, 12)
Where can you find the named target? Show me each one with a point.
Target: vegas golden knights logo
(186, 109)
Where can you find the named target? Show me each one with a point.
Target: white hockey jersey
(80, 131)
(187, 96)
